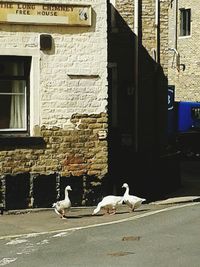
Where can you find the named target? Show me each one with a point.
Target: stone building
(138, 84)
(92, 79)
(184, 37)
(184, 75)
(53, 101)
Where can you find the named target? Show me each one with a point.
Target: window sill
(184, 36)
(20, 141)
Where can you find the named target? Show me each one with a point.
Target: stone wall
(69, 152)
(140, 133)
(147, 25)
(152, 67)
(81, 152)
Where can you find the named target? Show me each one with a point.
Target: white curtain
(17, 110)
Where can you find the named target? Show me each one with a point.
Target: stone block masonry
(66, 153)
(148, 29)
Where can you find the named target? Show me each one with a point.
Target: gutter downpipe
(174, 49)
(136, 30)
(157, 11)
(175, 22)
(175, 37)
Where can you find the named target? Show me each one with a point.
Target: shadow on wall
(44, 190)
(27, 190)
(17, 191)
(138, 119)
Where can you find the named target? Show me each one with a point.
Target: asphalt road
(159, 239)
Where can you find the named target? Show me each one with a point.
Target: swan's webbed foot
(113, 211)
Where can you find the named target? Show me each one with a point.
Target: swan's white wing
(111, 200)
(108, 202)
(62, 205)
(134, 201)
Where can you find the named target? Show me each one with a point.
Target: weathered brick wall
(72, 97)
(149, 38)
(81, 152)
(69, 152)
(164, 31)
(186, 81)
(126, 10)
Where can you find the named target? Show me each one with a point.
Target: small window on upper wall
(185, 22)
(14, 94)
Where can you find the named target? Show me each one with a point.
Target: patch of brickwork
(78, 154)
(69, 152)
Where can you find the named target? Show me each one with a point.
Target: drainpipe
(157, 11)
(177, 58)
(174, 49)
(136, 22)
(175, 23)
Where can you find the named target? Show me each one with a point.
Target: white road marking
(136, 217)
(43, 242)
(17, 241)
(63, 233)
(27, 249)
(6, 261)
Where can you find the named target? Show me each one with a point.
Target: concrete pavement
(46, 220)
(41, 221)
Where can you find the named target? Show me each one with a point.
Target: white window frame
(34, 53)
(188, 23)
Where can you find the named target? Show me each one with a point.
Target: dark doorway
(17, 191)
(44, 191)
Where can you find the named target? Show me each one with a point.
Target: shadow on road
(190, 180)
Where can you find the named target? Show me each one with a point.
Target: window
(14, 94)
(185, 22)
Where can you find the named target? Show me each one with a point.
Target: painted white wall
(72, 77)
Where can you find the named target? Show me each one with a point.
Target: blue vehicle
(188, 116)
(188, 129)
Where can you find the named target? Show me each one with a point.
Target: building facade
(53, 100)
(83, 100)
(183, 75)
(138, 57)
(184, 36)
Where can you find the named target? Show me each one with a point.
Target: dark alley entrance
(190, 179)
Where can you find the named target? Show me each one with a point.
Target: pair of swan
(109, 203)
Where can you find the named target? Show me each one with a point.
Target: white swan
(62, 206)
(133, 202)
(109, 204)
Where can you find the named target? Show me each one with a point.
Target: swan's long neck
(97, 209)
(127, 191)
(66, 193)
